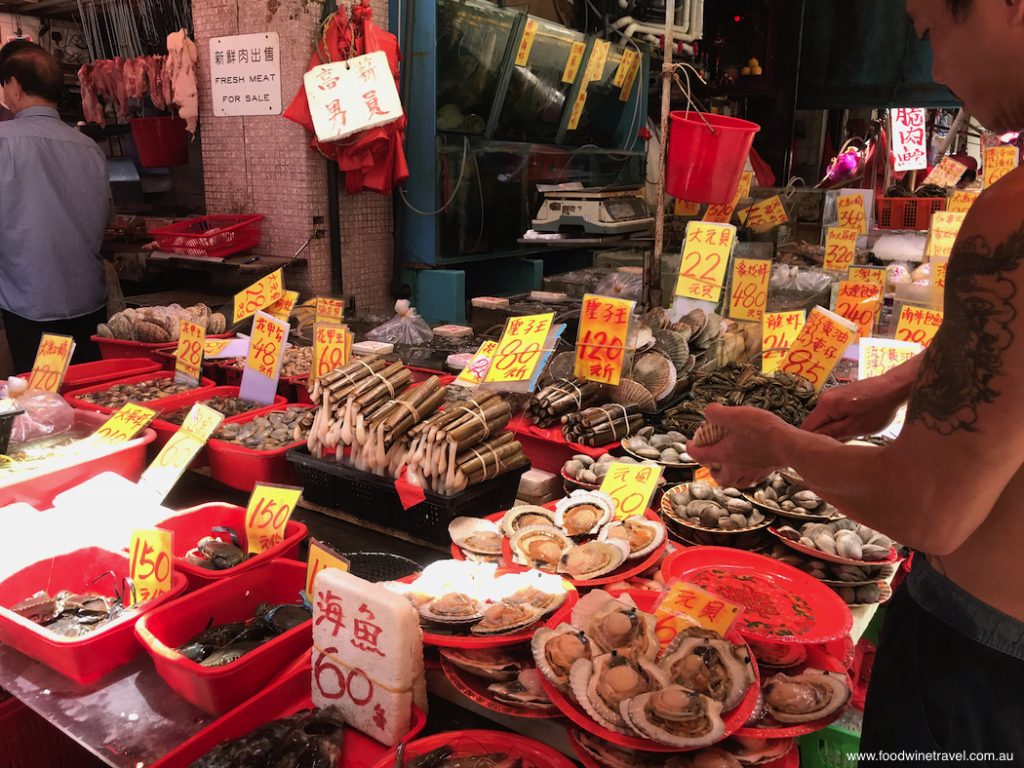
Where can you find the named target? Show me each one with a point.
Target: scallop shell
(476, 535)
(595, 615)
(656, 373)
(630, 392)
(522, 517)
(696, 320)
(488, 663)
(586, 675)
(452, 608)
(636, 712)
(643, 535)
(530, 546)
(525, 691)
(593, 559)
(735, 659)
(674, 347)
(708, 434)
(786, 695)
(501, 618)
(542, 655)
(657, 318)
(602, 505)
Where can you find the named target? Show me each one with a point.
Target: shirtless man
(949, 674)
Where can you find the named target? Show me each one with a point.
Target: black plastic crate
(6, 424)
(374, 499)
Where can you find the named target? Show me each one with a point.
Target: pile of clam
(228, 406)
(734, 752)
(786, 494)
(513, 679)
(296, 361)
(117, 395)
(723, 509)
(663, 448)
(271, 431)
(589, 471)
(609, 660)
(855, 584)
(843, 539)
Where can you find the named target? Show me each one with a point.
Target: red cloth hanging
(372, 160)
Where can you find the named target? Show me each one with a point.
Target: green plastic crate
(828, 748)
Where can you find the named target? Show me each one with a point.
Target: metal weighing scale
(598, 211)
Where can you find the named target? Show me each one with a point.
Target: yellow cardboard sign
(601, 343)
(577, 110)
(631, 486)
(188, 364)
(282, 308)
(151, 567)
(820, 345)
(685, 208)
(722, 214)
(961, 201)
(215, 346)
(940, 268)
(840, 248)
(125, 424)
(267, 515)
(999, 161)
(942, 233)
(266, 346)
(322, 557)
(329, 310)
(684, 606)
(879, 356)
(625, 64)
(918, 325)
(764, 215)
(598, 59)
(572, 64)
(526, 44)
(520, 349)
(874, 275)
(779, 330)
(947, 173)
(257, 296)
(183, 446)
(332, 349)
(51, 364)
(749, 289)
(859, 303)
(706, 252)
(473, 374)
(635, 62)
(850, 212)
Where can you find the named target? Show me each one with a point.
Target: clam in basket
(717, 517)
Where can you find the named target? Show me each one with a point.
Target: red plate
(475, 689)
(783, 604)
(645, 601)
(534, 754)
(790, 760)
(817, 554)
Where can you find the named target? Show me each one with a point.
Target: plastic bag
(792, 288)
(406, 327)
(622, 285)
(46, 413)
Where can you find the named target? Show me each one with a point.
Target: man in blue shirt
(5, 53)
(55, 204)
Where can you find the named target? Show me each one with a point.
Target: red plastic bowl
(160, 404)
(165, 429)
(85, 659)
(102, 371)
(219, 689)
(475, 689)
(282, 698)
(117, 348)
(534, 753)
(241, 468)
(190, 525)
(790, 760)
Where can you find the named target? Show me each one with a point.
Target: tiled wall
(265, 164)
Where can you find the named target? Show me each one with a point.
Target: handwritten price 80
(510, 354)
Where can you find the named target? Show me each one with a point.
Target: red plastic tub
(164, 429)
(705, 165)
(39, 489)
(192, 524)
(103, 372)
(120, 348)
(284, 697)
(241, 468)
(210, 236)
(477, 742)
(547, 448)
(907, 212)
(89, 658)
(159, 405)
(162, 141)
(218, 689)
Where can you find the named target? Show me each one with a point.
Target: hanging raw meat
(91, 107)
(134, 79)
(154, 66)
(180, 69)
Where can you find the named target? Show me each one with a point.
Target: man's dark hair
(959, 8)
(36, 71)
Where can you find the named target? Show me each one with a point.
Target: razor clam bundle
(602, 425)
(549, 405)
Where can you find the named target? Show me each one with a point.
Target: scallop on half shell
(602, 685)
(612, 624)
(806, 697)
(704, 662)
(676, 717)
(504, 617)
(583, 513)
(540, 546)
(593, 559)
(475, 535)
(525, 691)
(642, 535)
(495, 664)
(452, 608)
(525, 516)
(556, 650)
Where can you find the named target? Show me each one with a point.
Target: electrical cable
(458, 185)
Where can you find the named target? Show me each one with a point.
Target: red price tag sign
(765, 215)
(520, 349)
(999, 161)
(189, 355)
(322, 557)
(749, 289)
(859, 303)
(942, 233)
(961, 201)
(266, 346)
(631, 486)
(840, 248)
(778, 332)
(332, 349)
(684, 606)
(706, 252)
(151, 567)
(918, 325)
(820, 345)
(601, 344)
(329, 311)
(270, 508)
(259, 295)
(125, 424)
(879, 356)
(51, 363)
(850, 212)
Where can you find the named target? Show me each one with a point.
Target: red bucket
(161, 141)
(706, 166)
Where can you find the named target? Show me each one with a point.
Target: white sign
(245, 72)
(346, 97)
(909, 151)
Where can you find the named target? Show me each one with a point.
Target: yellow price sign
(125, 424)
(874, 275)
(860, 303)
(850, 212)
(175, 457)
(749, 295)
(918, 325)
(879, 356)
(473, 374)
(572, 64)
(722, 214)
(329, 310)
(257, 296)
(321, 557)
(601, 343)
(840, 248)
(267, 515)
(635, 63)
(961, 201)
(577, 110)
(631, 486)
(778, 332)
(685, 605)
(940, 268)
(947, 173)
(822, 342)
(51, 364)
(685, 208)
(625, 63)
(999, 161)
(706, 251)
(598, 59)
(282, 308)
(942, 234)
(188, 364)
(520, 348)
(266, 346)
(332, 349)
(213, 347)
(526, 44)
(151, 567)
(764, 215)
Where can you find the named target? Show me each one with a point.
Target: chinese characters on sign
(125, 424)
(820, 345)
(764, 215)
(346, 97)
(874, 275)
(918, 325)
(282, 308)
(942, 233)
(859, 303)
(909, 150)
(631, 486)
(188, 362)
(778, 332)
(850, 212)
(999, 161)
(332, 349)
(245, 74)
(262, 370)
(706, 251)
(526, 44)
(257, 296)
(749, 286)
(601, 344)
(572, 64)
(322, 556)
(151, 568)
(840, 248)
(329, 310)
(940, 266)
(474, 373)
(947, 173)
(685, 605)
(51, 364)
(520, 349)
(961, 201)
(267, 515)
(878, 356)
(633, 61)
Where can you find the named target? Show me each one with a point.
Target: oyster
(583, 513)
(601, 686)
(452, 608)
(472, 534)
(525, 691)
(556, 650)
(642, 535)
(706, 663)
(494, 664)
(806, 697)
(503, 617)
(749, 750)
(525, 516)
(540, 546)
(675, 716)
(613, 625)
(593, 559)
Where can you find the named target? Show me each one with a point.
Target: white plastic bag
(406, 327)
(46, 413)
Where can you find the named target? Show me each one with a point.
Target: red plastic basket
(210, 236)
(89, 658)
(546, 448)
(165, 430)
(103, 372)
(907, 212)
(239, 467)
(477, 742)
(192, 524)
(218, 689)
(29, 741)
(161, 405)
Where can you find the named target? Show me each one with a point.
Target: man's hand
(854, 410)
(746, 455)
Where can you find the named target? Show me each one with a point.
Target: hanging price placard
(188, 362)
(840, 248)
(263, 361)
(473, 374)
(257, 296)
(764, 216)
(874, 275)
(625, 65)
(520, 349)
(947, 173)
(332, 349)
(270, 508)
(282, 308)
(329, 310)
(181, 449)
(999, 161)
(684, 606)
(909, 151)
(598, 59)
(850, 212)
(151, 567)
(918, 325)
(51, 364)
(631, 486)
(778, 332)
(820, 345)
(526, 44)
(635, 62)
(706, 252)
(942, 234)
(125, 424)
(722, 214)
(572, 64)
(601, 344)
(879, 356)
(860, 303)
(961, 201)
(322, 557)
(749, 289)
